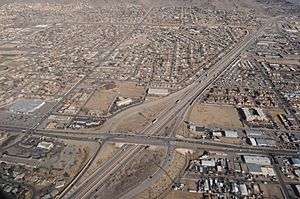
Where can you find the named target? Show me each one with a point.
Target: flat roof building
(231, 134)
(249, 159)
(158, 91)
(45, 145)
(295, 162)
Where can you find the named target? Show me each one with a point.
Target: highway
(91, 186)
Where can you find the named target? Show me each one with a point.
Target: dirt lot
(106, 93)
(138, 170)
(164, 183)
(271, 191)
(182, 194)
(213, 116)
(129, 89)
(101, 101)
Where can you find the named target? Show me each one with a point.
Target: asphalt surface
(91, 186)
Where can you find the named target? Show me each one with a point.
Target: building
(231, 134)
(253, 133)
(243, 190)
(26, 106)
(158, 91)
(196, 128)
(251, 141)
(45, 145)
(256, 169)
(257, 160)
(256, 115)
(208, 163)
(261, 142)
(217, 134)
(295, 162)
(124, 101)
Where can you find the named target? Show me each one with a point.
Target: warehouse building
(231, 134)
(123, 101)
(158, 91)
(256, 169)
(295, 162)
(257, 160)
(45, 145)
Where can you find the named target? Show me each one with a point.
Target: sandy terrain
(135, 172)
(213, 116)
(164, 183)
(129, 89)
(271, 191)
(182, 194)
(101, 100)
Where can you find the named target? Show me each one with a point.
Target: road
(90, 187)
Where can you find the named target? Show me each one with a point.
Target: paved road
(194, 91)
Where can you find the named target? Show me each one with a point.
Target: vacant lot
(107, 92)
(215, 116)
(164, 183)
(182, 194)
(101, 100)
(129, 89)
(271, 191)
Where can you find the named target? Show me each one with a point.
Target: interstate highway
(195, 90)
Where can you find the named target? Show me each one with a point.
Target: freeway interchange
(152, 134)
(96, 181)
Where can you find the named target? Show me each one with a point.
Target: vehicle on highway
(154, 121)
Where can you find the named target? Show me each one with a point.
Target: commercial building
(208, 163)
(253, 133)
(45, 145)
(158, 91)
(243, 190)
(257, 160)
(231, 134)
(251, 141)
(256, 115)
(295, 162)
(256, 169)
(124, 101)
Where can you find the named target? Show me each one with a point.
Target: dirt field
(182, 194)
(164, 183)
(213, 116)
(271, 191)
(101, 100)
(106, 93)
(129, 89)
(138, 170)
